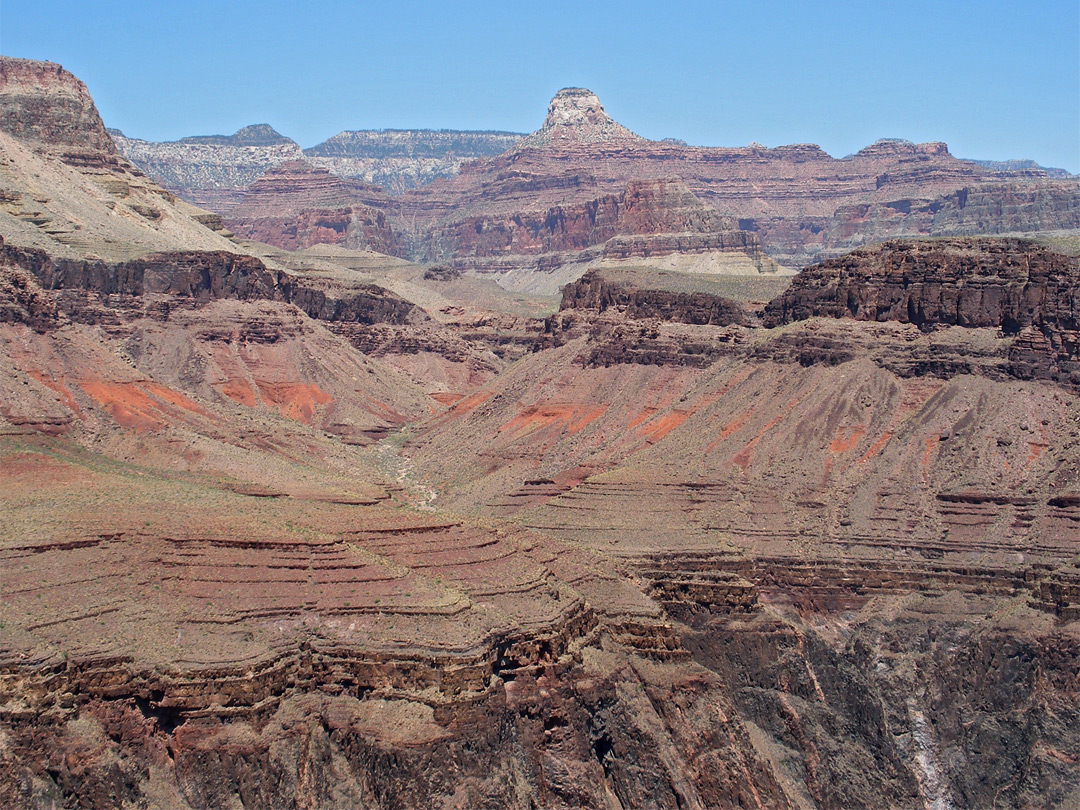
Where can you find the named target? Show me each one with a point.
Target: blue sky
(994, 80)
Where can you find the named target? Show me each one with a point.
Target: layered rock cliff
(803, 204)
(1017, 206)
(400, 159)
(1016, 286)
(642, 207)
(644, 294)
(296, 205)
(214, 170)
(210, 171)
(44, 105)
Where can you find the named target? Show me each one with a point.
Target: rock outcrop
(576, 116)
(210, 171)
(296, 205)
(1013, 285)
(401, 159)
(639, 295)
(1017, 206)
(642, 207)
(44, 105)
(466, 195)
(197, 277)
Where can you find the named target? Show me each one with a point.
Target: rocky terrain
(326, 528)
(401, 159)
(210, 171)
(491, 202)
(801, 203)
(213, 171)
(296, 205)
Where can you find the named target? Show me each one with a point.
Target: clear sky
(993, 79)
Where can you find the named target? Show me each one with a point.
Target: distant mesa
(254, 135)
(1024, 166)
(900, 146)
(416, 144)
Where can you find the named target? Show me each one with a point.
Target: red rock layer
(296, 205)
(642, 207)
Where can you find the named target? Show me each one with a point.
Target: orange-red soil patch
(876, 446)
(238, 390)
(930, 443)
(742, 458)
(296, 401)
(846, 438)
(1035, 449)
(536, 417)
(132, 405)
(658, 429)
(447, 398)
(58, 387)
(727, 430)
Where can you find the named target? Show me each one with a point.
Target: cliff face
(399, 160)
(1008, 284)
(643, 207)
(801, 202)
(211, 171)
(197, 277)
(576, 116)
(987, 208)
(296, 205)
(646, 295)
(466, 195)
(44, 105)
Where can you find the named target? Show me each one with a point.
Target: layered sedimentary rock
(669, 558)
(199, 277)
(1016, 286)
(642, 207)
(680, 298)
(1031, 205)
(576, 116)
(44, 105)
(210, 171)
(296, 205)
(214, 170)
(888, 512)
(803, 204)
(400, 159)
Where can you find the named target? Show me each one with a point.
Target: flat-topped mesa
(211, 170)
(899, 147)
(1014, 285)
(576, 116)
(43, 104)
(1003, 283)
(430, 144)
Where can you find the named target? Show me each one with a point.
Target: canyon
(541, 484)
